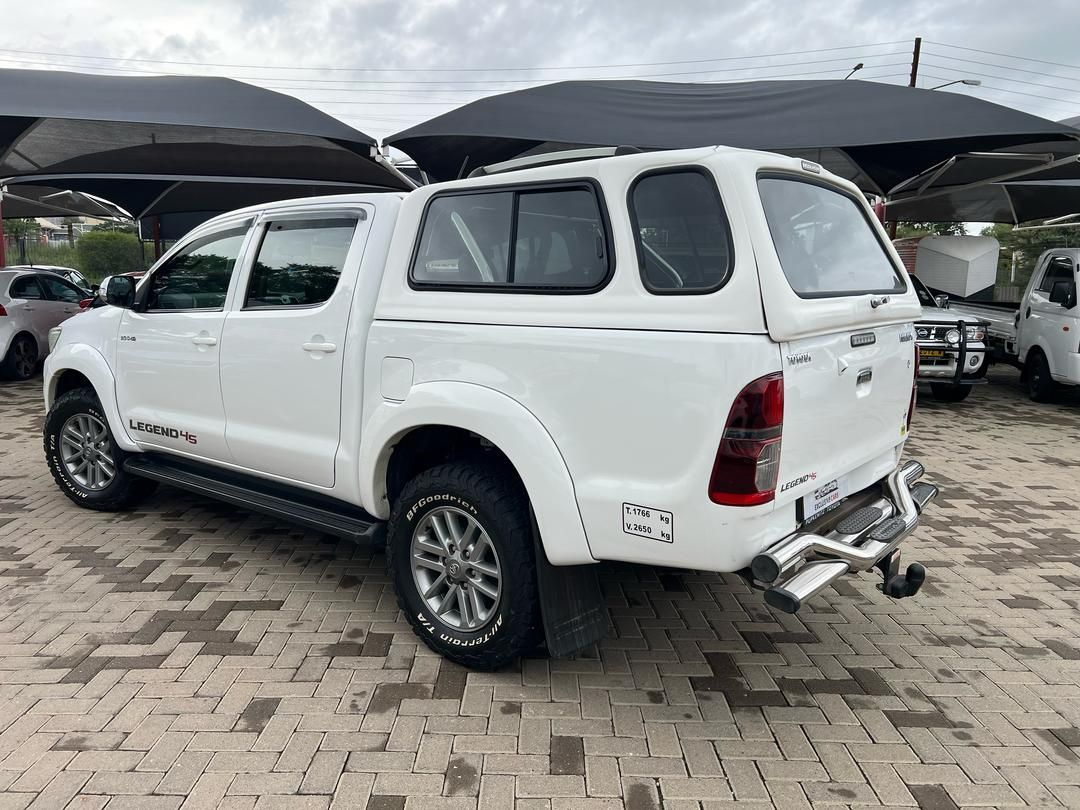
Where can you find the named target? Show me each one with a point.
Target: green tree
(107, 253)
(1023, 247)
(22, 228)
(906, 230)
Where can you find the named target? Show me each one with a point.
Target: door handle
(204, 340)
(28, 308)
(319, 347)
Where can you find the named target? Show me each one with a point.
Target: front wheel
(460, 552)
(1039, 382)
(944, 392)
(84, 459)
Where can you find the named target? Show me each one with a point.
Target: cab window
(198, 276)
(299, 262)
(1060, 268)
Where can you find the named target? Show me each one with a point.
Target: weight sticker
(645, 521)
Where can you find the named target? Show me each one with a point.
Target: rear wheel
(20, 362)
(944, 392)
(460, 551)
(1040, 384)
(83, 456)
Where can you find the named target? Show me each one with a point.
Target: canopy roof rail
(552, 158)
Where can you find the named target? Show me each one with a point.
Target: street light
(857, 67)
(968, 82)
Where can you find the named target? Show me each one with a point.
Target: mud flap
(571, 603)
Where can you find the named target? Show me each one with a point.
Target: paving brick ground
(193, 655)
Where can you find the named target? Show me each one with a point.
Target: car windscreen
(824, 240)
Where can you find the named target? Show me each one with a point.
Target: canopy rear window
(824, 240)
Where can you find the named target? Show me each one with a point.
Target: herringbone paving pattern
(193, 655)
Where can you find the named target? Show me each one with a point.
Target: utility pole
(915, 62)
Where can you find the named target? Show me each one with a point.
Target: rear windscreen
(825, 243)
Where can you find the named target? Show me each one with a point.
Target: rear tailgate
(837, 300)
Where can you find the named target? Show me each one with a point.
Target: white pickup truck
(1041, 334)
(699, 358)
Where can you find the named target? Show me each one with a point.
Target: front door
(284, 341)
(167, 381)
(1050, 324)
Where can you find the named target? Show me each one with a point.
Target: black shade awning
(878, 134)
(995, 202)
(56, 124)
(44, 201)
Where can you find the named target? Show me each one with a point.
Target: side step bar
(865, 539)
(292, 504)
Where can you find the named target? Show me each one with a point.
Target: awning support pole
(3, 248)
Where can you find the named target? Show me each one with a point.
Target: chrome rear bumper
(861, 539)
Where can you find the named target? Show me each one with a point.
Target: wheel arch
(73, 365)
(496, 422)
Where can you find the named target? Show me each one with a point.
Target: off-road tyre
(20, 362)
(1040, 384)
(123, 491)
(492, 496)
(945, 392)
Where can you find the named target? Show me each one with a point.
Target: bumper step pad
(802, 565)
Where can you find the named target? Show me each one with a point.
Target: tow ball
(894, 583)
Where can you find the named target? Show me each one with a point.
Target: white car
(700, 358)
(31, 303)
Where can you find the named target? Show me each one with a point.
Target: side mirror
(1064, 293)
(119, 291)
(942, 301)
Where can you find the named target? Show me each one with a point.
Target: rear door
(839, 305)
(62, 299)
(284, 342)
(30, 305)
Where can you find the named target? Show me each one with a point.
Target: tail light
(3, 312)
(85, 303)
(748, 459)
(914, 389)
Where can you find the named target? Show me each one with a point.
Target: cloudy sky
(383, 65)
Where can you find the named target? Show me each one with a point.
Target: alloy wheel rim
(85, 452)
(456, 569)
(24, 361)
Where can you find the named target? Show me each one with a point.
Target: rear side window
(825, 243)
(528, 239)
(26, 287)
(299, 262)
(682, 234)
(1059, 269)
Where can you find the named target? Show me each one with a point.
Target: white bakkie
(1041, 334)
(701, 359)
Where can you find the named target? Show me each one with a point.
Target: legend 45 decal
(644, 521)
(162, 430)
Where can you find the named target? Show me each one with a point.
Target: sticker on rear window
(645, 521)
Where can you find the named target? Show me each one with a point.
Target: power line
(1006, 90)
(1007, 55)
(1007, 79)
(1000, 66)
(449, 69)
(488, 82)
